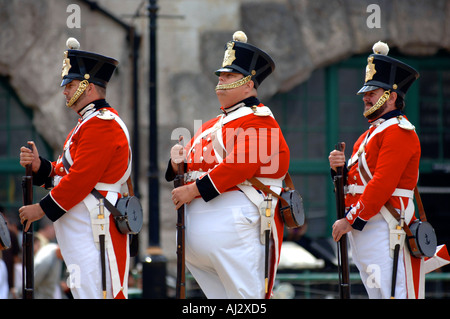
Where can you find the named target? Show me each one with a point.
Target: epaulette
(261, 110)
(405, 124)
(105, 115)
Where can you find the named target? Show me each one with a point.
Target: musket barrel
(343, 266)
(27, 238)
(181, 277)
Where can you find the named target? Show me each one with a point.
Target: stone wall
(32, 43)
(303, 35)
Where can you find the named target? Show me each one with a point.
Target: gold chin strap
(235, 84)
(379, 103)
(81, 87)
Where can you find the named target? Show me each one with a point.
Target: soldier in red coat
(96, 154)
(224, 246)
(381, 176)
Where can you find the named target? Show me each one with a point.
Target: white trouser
(370, 252)
(81, 256)
(223, 249)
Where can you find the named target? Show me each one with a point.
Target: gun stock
(181, 277)
(343, 266)
(27, 239)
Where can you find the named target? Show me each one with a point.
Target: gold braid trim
(379, 103)
(235, 84)
(81, 87)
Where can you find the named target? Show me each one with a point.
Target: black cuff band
(206, 188)
(42, 176)
(51, 208)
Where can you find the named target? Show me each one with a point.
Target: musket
(27, 238)
(181, 279)
(342, 253)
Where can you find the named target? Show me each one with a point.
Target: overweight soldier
(224, 250)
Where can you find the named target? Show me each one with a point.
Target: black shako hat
(245, 58)
(387, 73)
(83, 65)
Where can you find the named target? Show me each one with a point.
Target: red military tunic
(100, 153)
(243, 142)
(393, 158)
(255, 148)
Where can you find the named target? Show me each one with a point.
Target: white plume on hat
(380, 48)
(240, 36)
(73, 43)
